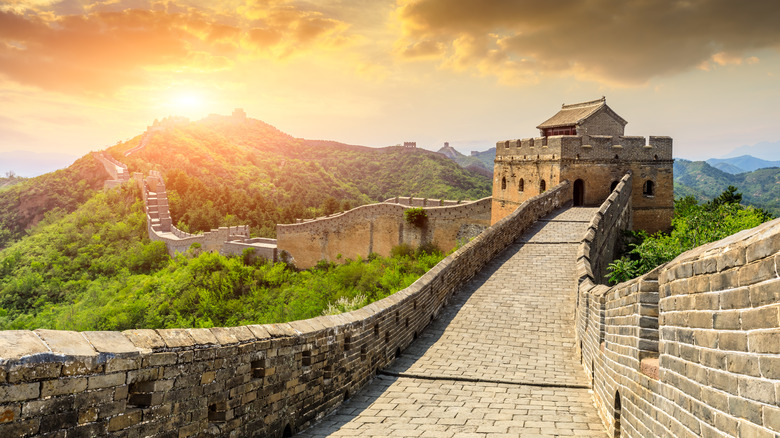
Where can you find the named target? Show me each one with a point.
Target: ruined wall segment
(377, 228)
(256, 380)
(691, 348)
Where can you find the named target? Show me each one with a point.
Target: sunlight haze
(77, 76)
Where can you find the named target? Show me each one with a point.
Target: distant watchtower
(585, 144)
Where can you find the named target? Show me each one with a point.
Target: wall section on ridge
(691, 348)
(377, 228)
(254, 380)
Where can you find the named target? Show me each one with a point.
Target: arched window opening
(287, 431)
(579, 193)
(649, 188)
(503, 183)
(521, 185)
(617, 414)
(612, 186)
(542, 186)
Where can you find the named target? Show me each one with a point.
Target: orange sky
(81, 75)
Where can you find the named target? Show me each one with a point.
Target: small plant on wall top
(416, 216)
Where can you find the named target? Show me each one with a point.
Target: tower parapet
(586, 144)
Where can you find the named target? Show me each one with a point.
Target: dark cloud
(625, 41)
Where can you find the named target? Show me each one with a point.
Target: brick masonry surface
(690, 349)
(507, 330)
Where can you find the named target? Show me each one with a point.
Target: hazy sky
(81, 75)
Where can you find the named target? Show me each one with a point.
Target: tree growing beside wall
(693, 225)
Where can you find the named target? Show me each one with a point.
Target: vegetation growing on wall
(693, 225)
(416, 216)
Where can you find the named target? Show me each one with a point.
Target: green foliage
(416, 216)
(402, 250)
(95, 269)
(693, 225)
(760, 188)
(24, 203)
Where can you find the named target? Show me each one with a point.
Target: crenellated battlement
(584, 147)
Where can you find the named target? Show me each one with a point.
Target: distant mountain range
(765, 150)
(743, 163)
(759, 188)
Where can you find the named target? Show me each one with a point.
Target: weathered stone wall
(238, 381)
(377, 228)
(691, 348)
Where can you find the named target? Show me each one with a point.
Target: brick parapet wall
(693, 347)
(250, 380)
(587, 147)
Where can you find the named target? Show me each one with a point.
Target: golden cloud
(105, 45)
(617, 41)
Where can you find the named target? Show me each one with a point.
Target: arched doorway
(579, 193)
(542, 186)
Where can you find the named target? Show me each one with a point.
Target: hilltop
(229, 170)
(226, 170)
(760, 188)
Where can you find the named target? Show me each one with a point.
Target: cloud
(100, 47)
(616, 41)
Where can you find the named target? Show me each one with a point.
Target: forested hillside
(79, 258)
(760, 188)
(220, 171)
(24, 202)
(95, 269)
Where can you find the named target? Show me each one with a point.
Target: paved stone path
(499, 361)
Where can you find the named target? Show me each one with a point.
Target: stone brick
(735, 341)
(23, 428)
(106, 380)
(176, 338)
(19, 392)
(114, 343)
(764, 317)
(125, 420)
(63, 386)
(765, 293)
(757, 389)
(31, 372)
(144, 339)
(735, 299)
(765, 341)
(726, 320)
(9, 413)
(15, 344)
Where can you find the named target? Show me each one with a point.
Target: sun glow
(188, 101)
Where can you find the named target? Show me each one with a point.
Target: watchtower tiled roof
(576, 113)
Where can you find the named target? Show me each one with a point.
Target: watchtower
(585, 144)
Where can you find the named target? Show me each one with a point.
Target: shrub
(416, 216)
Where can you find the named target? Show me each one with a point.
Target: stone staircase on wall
(225, 240)
(117, 171)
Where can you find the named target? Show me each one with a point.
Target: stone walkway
(499, 361)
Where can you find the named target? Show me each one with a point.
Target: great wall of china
(690, 349)
(512, 332)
